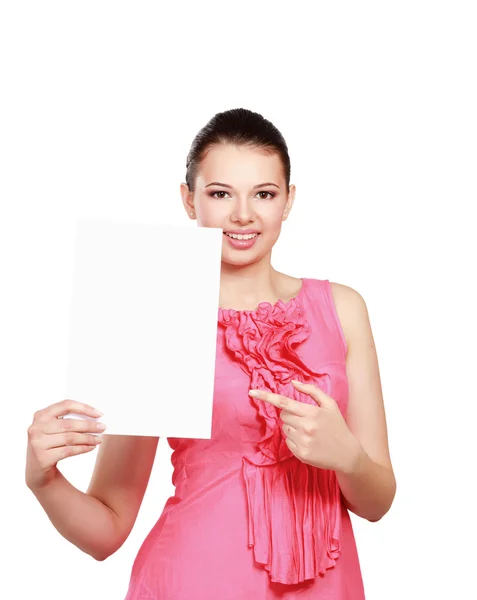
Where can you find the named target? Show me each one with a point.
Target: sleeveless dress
(248, 520)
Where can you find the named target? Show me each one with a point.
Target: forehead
(232, 164)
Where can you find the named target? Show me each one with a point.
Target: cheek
(273, 225)
(271, 214)
(210, 216)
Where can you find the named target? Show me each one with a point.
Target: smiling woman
(274, 461)
(260, 510)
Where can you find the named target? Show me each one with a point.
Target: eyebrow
(231, 187)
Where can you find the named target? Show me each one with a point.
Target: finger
(57, 454)
(59, 409)
(292, 445)
(289, 418)
(293, 406)
(80, 425)
(67, 438)
(288, 430)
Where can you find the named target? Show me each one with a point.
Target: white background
(100, 102)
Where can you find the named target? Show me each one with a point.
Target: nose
(242, 211)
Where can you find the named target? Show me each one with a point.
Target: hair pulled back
(240, 127)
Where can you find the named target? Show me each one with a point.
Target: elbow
(376, 518)
(103, 556)
(100, 556)
(111, 545)
(109, 551)
(104, 553)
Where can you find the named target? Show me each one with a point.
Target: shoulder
(345, 294)
(350, 307)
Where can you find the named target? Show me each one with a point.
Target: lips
(241, 244)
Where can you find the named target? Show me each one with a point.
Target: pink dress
(248, 520)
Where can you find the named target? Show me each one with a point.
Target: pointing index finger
(283, 402)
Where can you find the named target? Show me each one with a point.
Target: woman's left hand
(316, 435)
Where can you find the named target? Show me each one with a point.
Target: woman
(261, 509)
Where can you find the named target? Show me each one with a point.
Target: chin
(240, 257)
(239, 262)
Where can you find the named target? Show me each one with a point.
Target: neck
(245, 287)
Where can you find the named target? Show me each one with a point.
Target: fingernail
(254, 393)
(100, 426)
(297, 382)
(97, 412)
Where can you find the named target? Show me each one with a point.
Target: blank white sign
(143, 327)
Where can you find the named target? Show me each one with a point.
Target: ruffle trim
(295, 524)
(294, 509)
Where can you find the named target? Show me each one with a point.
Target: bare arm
(369, 487)
(81, 519)
(119, 481)
(99, 521)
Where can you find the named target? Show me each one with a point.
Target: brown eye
(214, 196)
(271, 194)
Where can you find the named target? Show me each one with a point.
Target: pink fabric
(248, 519)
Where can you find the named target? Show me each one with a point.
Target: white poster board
(143, 326)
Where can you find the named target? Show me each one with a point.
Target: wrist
(37, 487)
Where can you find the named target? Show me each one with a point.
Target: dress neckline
(267, 306)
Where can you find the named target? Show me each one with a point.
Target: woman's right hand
(52, 438)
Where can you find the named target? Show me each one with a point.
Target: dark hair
(241, 127)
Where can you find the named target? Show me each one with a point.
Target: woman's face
(240, 189)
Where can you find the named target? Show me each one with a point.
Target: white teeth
(237, 236)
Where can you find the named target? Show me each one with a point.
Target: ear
(290, 201)
(187, 200)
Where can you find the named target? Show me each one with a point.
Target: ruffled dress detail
(294, 509)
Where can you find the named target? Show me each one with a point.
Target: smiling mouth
(236, 236)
